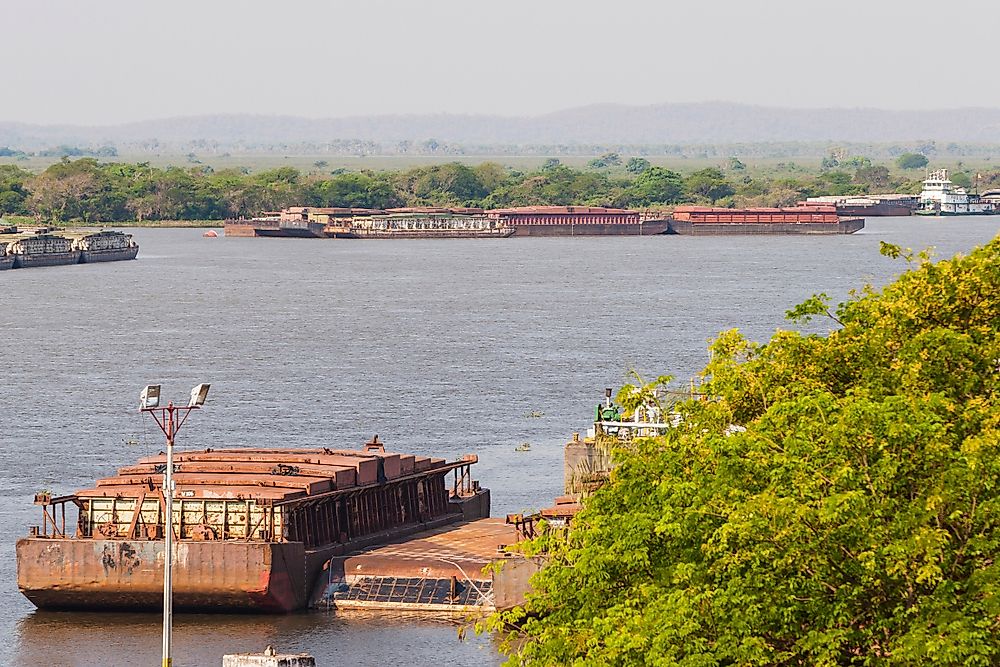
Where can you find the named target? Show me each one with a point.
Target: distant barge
(430, 222)
(867, 206)
(706, 221)
(417, 223)
(42, 248)
(254, 527)
(578, 221)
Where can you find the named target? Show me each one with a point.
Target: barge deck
(442, 570)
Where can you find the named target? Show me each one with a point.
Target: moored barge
(252, 527)
(577, 221)
(293, 222)
(40, 247)
(708, 221)
(106, 246)
(43, 249)
(419, 223)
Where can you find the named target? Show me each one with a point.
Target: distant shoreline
(21, 221)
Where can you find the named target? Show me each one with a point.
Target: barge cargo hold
(419, 223)
(43, 249)
(577, 221)
(707, 221)
(106, 246)
(253, 527)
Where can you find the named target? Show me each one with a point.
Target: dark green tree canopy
(709, 184)
(911, 161)
(834, 501)
(657, 185)
(637, 165)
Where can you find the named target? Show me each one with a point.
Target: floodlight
(150, 397)
(198, 395)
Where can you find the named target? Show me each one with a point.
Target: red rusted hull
(207, 576)
(647, 228)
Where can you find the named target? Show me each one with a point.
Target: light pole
(169, 419)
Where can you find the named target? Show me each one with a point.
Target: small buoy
(211, 234)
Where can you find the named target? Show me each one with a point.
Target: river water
(441, 347)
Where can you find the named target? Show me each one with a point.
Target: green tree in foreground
(853, 518)
(911, 161)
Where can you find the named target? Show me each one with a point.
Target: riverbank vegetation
(836, 502)
(89, 190)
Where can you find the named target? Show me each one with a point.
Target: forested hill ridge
(701, 123)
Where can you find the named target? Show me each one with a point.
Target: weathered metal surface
(443, 569)
(512, 581)
(577, 221)
(454, 550)
(416, 594)
(843, 226)
(708, 221)
(268, 517)
(119, 574)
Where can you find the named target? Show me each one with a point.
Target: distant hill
(703, 123)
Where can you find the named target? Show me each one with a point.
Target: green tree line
(89, 190)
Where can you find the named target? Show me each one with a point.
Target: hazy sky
(110, 61)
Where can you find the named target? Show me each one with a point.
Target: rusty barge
(253, 528)
(709, 221)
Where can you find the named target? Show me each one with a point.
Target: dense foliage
(835, 502)
(92, 191)
(912, 161)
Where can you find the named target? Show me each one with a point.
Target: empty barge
(252, 527)
(708, 221)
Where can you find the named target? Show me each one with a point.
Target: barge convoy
(412, 223)
(43, 248)
(435, 222)
(254, 528)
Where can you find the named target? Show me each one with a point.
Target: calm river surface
(441, 347)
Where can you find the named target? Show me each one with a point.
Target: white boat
(942, 197)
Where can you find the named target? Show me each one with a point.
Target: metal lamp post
(169, 419)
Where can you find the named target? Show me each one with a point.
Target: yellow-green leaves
(856, 520)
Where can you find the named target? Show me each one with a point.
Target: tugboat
(942, 197)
